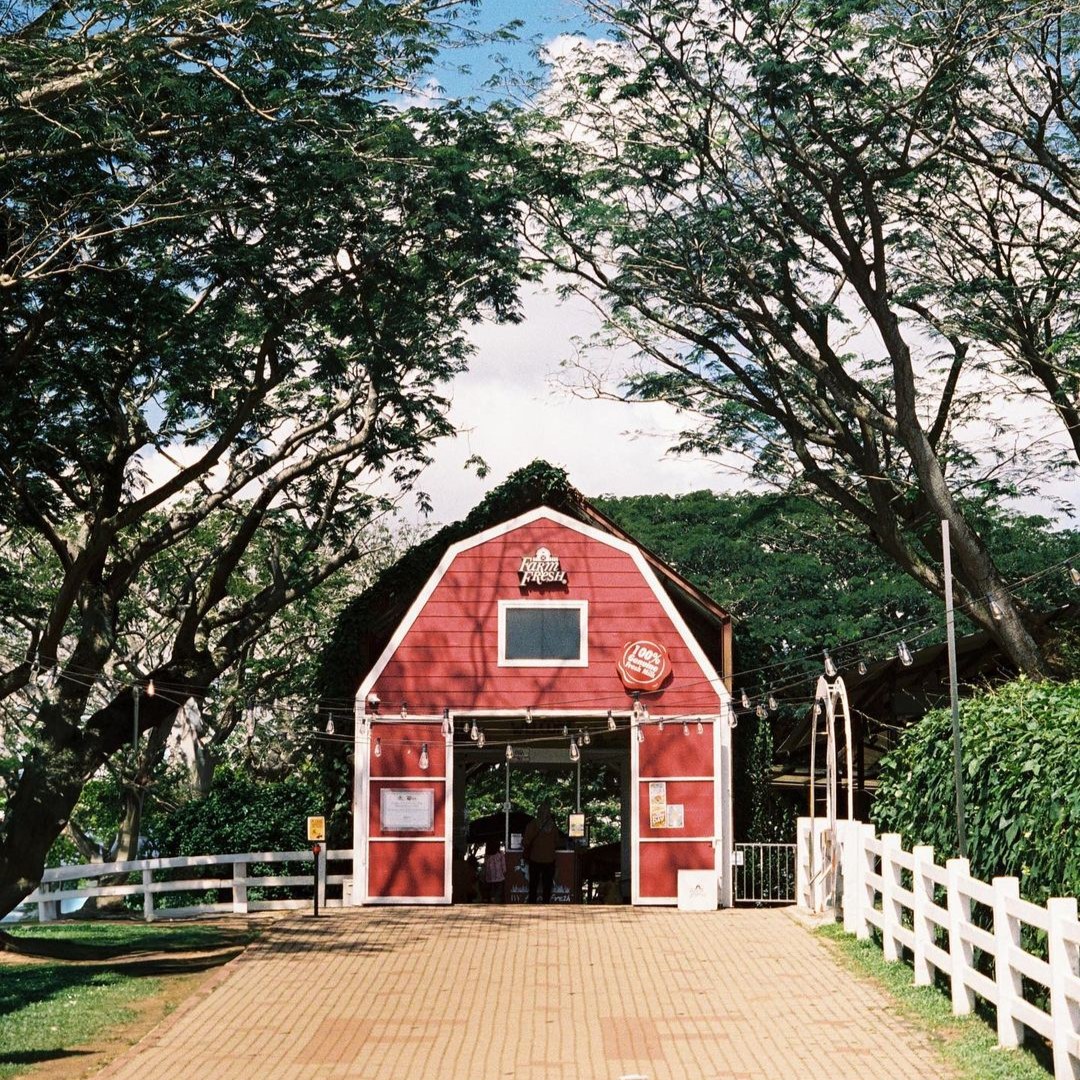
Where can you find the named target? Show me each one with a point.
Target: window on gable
(543, 633)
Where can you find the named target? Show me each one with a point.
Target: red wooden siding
(449, 657)
(404, 869)
(660, 864)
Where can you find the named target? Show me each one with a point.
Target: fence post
(923, 888)
(320, 879)
(1064, 958)
(1010, 987)
(866, 896)
(890, 905)
(48, 910)
(148, 896)
(960, 949)
(848, 833)
(239, 887)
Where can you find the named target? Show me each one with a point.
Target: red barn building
(536, 632)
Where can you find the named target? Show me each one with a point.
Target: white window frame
(582, 607)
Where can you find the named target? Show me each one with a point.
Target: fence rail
(879, 885)
(764, 873)
(67, 884)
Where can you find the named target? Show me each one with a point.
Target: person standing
(494, 871)
(539, 845)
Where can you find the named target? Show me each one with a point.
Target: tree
(733, 186)
(235, 269)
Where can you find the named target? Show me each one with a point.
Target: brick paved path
(557, 993)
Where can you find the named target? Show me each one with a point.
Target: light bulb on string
(772, 702)
(404, 711)
(745, 700)
(1074, 575)
(685, 728)
(904, 653)
(509, 752)
(660, 724)
(565, 730)
(575, 753)
(330, 725)
(640, 734)
(378, 747)
(447, 723)
(862, 667)
(611, 725)
(481, 738)
(425, 761)
(995, 609)
(528, 716)
(587, 739)
(830, 667)
(474, 732)
(580, 739)
(760, 712)
(700, 728)
(150, 691)
(467, 729)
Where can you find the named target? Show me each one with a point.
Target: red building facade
(521, 631)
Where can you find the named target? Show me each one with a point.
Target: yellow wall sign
(316, 828)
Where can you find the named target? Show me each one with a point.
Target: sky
(509, 407)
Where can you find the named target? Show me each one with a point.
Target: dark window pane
(543, 634)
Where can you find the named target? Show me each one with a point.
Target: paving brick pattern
(559, 993)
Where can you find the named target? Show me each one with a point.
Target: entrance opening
(496, 796)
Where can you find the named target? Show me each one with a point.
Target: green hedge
(1021, 768)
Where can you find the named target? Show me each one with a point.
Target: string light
(1074, 575)
(761, 712)
(509, 752)
(378, 747)
(424, 759)
(404, 711)
(481, 738)
(150, 690)
(660, 724)
(995, 609)
(575, 753)
(745, 700)
(685, 728)
(330, 725)
(772, 702)
(640, 734)
(528, 716)
(588, 739)
(611, 725)
(474, 731)
(830, 667)
(565, 731)
(862, 667)
(904, 653)
(700, 728)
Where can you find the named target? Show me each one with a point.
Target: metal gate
(764, 873)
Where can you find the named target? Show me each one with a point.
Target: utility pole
(950, 629)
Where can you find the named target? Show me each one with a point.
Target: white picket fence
(68, 884)
(871, 892)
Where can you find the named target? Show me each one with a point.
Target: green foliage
(1021, 775)
(239, 814)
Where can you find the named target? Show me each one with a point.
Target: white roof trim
(541, 513)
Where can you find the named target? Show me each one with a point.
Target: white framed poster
(407, 809)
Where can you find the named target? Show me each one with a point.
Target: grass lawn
(48, 1008)
(967, 1043)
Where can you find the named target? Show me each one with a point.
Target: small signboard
(644, 666)
(543, 568)
(576, 826)
(316, 829)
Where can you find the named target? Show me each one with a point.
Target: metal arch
(827, 698)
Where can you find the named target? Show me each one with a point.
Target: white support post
(1010, 987)
(147, 895)
(923, 888)
(320, 879)
(802, 865)
(239, 887)
(866, 897)
(890, 904)
(960, 950)
(1064, 958)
